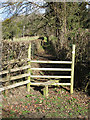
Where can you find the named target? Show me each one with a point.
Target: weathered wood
(49, 82)
(58, 62)
(4, 72)
(26, 67)
(36, 61)
(14, 85)
(15, 77)
(19, 68)
(14, 70)
(31, 83)
(45, 83)
(16, 61)
(52, 69)
(72, 72)
(8, 79)
(45, 91)
(29, 70)
(37, 76)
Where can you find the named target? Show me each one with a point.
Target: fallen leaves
(43, 111)
(60, 104)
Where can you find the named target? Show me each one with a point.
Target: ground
(60, 103)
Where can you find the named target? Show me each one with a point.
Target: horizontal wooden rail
(15, 77)
(31, 83)
(58, 62)
(37, 76)
(14, 85)
(43, 83)
(32, 76)
(15, 61)
(4, 72)
(14, 69)
(26, 67)
(36, 61)
(19, 68)
(52, 69)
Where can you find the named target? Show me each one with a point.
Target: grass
(22, 100)
(11, 112)
(28, 96)
(26, 111)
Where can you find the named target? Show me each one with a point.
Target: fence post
(72, 72)
(45, 91)
(29, 63)
(8, 78)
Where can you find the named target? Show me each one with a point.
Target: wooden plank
(19, 76)
(36, 61)
(4, 72)
(8, 78)
(58, 62)
(29, 70)
(44, 83)
(15, 77)
(72, 72)
(46, 91)
(49, 82)
(14, 85)
(52, 69)
(15, 61)
(15, 69)
(28, 66)
(19, 68)
(31, 83)
(37, 76)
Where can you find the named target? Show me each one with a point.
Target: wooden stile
(45, 90)
(45, 84)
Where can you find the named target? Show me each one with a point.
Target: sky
(6, 15)
(3, 16)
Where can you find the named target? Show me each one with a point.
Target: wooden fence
(29, 69)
